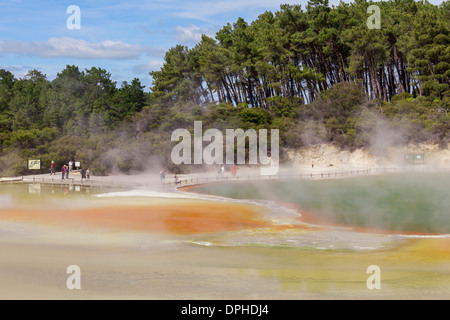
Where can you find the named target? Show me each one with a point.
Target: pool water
(142, 244)
(404, 202)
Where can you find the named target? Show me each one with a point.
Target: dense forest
(318, 74)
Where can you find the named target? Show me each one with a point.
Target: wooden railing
(193, 179)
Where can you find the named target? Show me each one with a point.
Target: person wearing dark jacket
(83, 174)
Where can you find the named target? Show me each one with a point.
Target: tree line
(295, 54)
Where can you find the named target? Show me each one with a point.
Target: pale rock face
(328, 155)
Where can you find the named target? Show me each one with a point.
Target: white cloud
(20, 71)
(190, 34)
(76, 48)
(207, 10)
(145, 68)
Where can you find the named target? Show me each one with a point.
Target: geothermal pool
(275, 240)
(404, 203)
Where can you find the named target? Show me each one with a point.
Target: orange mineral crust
(180, 218)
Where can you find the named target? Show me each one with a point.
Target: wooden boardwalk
(119, 182)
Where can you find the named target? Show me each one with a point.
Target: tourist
(83, 174)
(52, 168)
(88, 174)
(70, 165)
(234, 170)
(67, 172)
(63, 172)
(162, 176)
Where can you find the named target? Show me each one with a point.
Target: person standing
(67, 173)
(70, 165)
(88, 174)
(233, 170)
(63, 172)
(52, 168)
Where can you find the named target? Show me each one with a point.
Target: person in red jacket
(233, 170)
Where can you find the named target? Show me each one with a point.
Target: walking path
(152, 180)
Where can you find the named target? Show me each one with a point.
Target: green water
(36, 194)
(418, 202)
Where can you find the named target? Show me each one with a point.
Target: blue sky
(127, 38)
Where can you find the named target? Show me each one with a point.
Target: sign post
(414, 157)
(34, 164)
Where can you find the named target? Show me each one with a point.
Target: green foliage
(253, 117)
(283, 107)
(295, 53)
(317, 74)
(31, 139)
